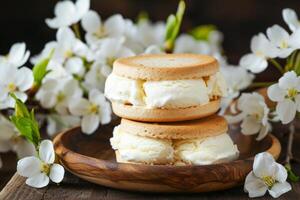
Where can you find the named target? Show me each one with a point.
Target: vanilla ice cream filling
(139, 149)
(210, 150)
(134, 148)
(166, 93)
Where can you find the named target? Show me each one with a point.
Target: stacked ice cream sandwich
(168, 104)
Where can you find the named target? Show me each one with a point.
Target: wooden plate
(92, 159)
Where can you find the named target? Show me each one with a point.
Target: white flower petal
(288, 80)
(290, 17)
(65, 15)
(153, 49)
(261, 46)
(115, 25)
(38, 181)
(280, 188)
(254, 63)
(91, 22)
(25, 77)
(250, 126)
(46, 152)
(29, 166)
(275, 93)
(79, 107)
(90, 123)
(286, 110)
(294, 41)
(254, 186)
(75, 65)
(82, 7)
(263, 132)
(18, 55)
(280, 173)
(277, 34)
(264, 165)
(57, 173)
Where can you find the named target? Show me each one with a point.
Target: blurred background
(24, 20)
(238, 20)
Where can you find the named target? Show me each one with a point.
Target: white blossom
(58, 93)
(94, 78)
(237, 79)
(253, 114)
(17, 55)
(14, 80)
(48, 48)
(267, 175)
(10, 140)
(187, 44)
(68, 46)
(283, 41)
(150, 33)
(39, 170)
(291, 19)
(261, 50)
(108, 50)
(67, 13)
(57, 123)
(114, 26)
(287, 95)
(95, 110)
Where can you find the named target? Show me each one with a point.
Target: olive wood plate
(92, 158)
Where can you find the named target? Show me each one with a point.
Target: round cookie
(166, 66)
(140, 113)
(201, 128)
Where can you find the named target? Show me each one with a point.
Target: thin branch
(76, 29)
(289, 153)
(261, 84)
(277, 65)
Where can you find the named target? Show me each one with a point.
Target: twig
(277, 65)
(261, 84)
(289, 153)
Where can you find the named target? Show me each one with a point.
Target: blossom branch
(289, 153)
(277, 65)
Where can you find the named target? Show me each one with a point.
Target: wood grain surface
(73, 188)
(92, 159)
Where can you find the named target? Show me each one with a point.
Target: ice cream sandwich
(196, 142)
(165, 87)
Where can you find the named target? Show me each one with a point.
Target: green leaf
(25, 122)
(291, 175)
(202, 32)
(20, 108)
(40, 70)
(172, 27)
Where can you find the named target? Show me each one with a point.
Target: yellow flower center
(45, 168)
(68, 54)
(283, 45)
(292, 93)
(259, 53)
(269, 181)
(60, 97)
(93, 108)
(11, 87)
(100, 32)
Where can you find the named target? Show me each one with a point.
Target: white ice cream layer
(216, 149)
(164, 94)
(139, 149)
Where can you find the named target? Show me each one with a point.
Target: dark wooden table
(73, 188)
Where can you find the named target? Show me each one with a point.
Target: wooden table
(73, 188)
